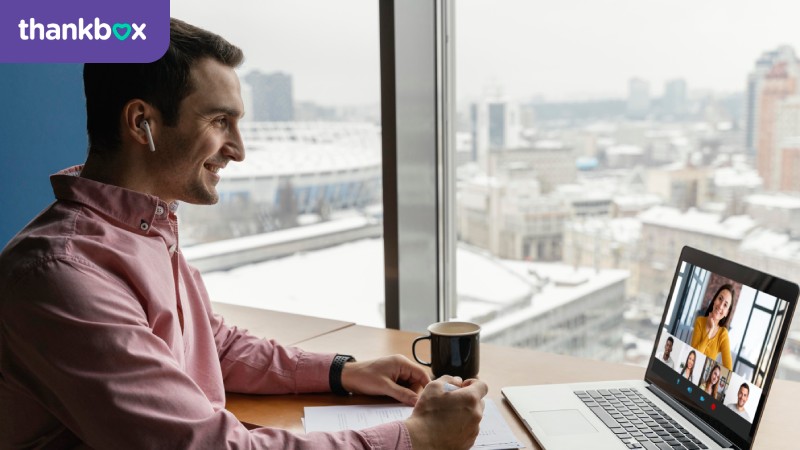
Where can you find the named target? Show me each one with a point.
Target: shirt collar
(137, 210)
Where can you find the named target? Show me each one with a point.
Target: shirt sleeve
(697, 331)
(725, 348)
(252, 365)
(78, 343)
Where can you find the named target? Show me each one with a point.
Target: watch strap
(335, 374)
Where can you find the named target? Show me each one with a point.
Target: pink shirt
(107, 338)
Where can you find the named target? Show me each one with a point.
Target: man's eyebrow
(223, 110)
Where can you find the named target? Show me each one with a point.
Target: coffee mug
(455, 349)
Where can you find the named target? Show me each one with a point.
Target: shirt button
(159, 210)
(144, 226)
(172, 248)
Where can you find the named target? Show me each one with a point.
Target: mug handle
(414, 350)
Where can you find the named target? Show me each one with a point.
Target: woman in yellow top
(710, 334)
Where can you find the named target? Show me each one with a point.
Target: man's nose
(235, 148)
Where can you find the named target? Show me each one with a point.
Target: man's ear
(132, 127)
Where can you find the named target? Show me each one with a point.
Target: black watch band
(335, 374)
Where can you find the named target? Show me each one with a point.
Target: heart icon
(122, 26)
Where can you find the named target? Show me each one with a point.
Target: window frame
(417, 117)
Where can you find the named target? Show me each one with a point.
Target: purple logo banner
(77, 31)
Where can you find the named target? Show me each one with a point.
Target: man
(666, 357)
(741, 399)
(107, 338)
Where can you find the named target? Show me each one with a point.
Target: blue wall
(42, 130)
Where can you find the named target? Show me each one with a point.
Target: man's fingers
(402, 394)
(455, 381)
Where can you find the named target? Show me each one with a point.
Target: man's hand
(447, 420)
(395, 376)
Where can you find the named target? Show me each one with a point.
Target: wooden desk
(286, 328)
(500, 366)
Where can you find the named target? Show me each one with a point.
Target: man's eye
(221, 122)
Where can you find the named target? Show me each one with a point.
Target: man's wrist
(335, 374)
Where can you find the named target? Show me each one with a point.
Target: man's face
(205, 138)
(741, 399)
(667, 349)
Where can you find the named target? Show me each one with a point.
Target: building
(731, 185)
(272, 96)
(772, 252)
(604, 243)
(510, 217)
(666, 230)
(573, 311)
(774, 80)
(495, 125)
(681, 186)
(786, 150)
(755, 85)
(638, 106)
(777, 212)
(624, 156)
(674, 103)
(514, 212)
(551, 162)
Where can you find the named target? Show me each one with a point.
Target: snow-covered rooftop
(349, 284)
(774, 201)
(737, 176)
(733, 227)
(774, 244)
(631, 150)
(276, 148)
(563, 285)
(626, 229)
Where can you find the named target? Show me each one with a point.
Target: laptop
(706, 396)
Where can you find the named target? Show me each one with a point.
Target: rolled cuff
(312, 371)
(393, 435)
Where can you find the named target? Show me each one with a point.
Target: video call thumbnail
(721, 336)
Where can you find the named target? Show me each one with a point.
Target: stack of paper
(494, 434)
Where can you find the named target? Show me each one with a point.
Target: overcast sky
(564, 49)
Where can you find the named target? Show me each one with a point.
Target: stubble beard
(190, 190)
(199, 195)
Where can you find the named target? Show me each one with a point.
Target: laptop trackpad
(563, 422)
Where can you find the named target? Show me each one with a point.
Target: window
(306, 204)
(592, 145)
(550, 160)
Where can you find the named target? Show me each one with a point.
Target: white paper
(494, 432)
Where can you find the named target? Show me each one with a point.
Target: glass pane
(582, 151)
(298, 227)
(766, 301)
(754, 336)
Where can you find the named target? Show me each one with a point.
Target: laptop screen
(720, 340)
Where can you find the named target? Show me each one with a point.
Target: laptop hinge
(691, 417)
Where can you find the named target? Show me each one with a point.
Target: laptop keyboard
(637, 421)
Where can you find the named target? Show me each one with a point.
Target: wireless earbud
(146, 127)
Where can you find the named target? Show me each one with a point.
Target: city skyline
(713, 45)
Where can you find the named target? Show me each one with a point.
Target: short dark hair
(669, 339)
(163, 83)
(746, 386)
(725, 287)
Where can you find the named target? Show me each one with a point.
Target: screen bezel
(780, 288)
